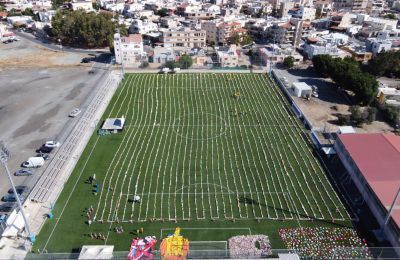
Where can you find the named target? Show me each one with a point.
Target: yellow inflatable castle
(174, 247)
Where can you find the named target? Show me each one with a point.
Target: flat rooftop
(377, 156)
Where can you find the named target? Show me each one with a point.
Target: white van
(33, 162)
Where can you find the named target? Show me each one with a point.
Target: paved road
(55, 47)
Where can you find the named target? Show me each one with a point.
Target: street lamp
(4, 155)
(60, 42)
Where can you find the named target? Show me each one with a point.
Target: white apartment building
(161, 55)
(336, 38)
(377, 22)
(322, 47)
(184, 38)
(85, 5)
(133, 7)
(128, 50)
(378, 45)
(142, 27)
(274, 54)
(228, 56)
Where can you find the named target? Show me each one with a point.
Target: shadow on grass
(250, 201)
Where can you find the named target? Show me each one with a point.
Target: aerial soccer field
(206, 152)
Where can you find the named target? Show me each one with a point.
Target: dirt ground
(25, 54)
(323, 111)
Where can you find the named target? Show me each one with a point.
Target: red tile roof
(132, 38)
(377, 156)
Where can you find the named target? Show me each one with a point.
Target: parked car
(44, 149)
(7, 207)
(45, 156)
(52, 144)
(33, 162)
(314, 94)
(23, 172)
(3, 218)
(75, 112)
(20, 189)
(86, 60)
(12, 198)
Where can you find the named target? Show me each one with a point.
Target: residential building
(319, 46)
(257, 28)
(161, 55)
(46, 16)
(303, 13)
(128, 50)
(219, 32)
(227, 56)
(184, 38)
(323, 7)
(284, 8)
(377, 23)
(274, 53)
(291, 32)
(142, 27)
(356, 6)
(359, 53)
(170, 21)
(336, 38)
(376, 45)
(85, 5)
(19, 19)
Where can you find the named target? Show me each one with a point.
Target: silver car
(23, 172)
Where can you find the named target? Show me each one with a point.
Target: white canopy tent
(14, 224)
(96, 252)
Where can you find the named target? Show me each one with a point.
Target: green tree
(246, 39)
(385, 63)
(144, 64)
(355, 115)
(321, 64)
(95, 6)
(79, 28)
(13, 12)
(185, 62)
(288, 62)
(171, 64)
(390, 112)
(348, 75)
(28, 12)
(56, 3)
(162, 12)
(391, 16)
(234, 39)
(371, 114)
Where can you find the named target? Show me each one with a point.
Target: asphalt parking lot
(35, 103)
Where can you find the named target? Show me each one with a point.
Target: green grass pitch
(200, 157)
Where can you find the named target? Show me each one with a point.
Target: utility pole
(4, 155)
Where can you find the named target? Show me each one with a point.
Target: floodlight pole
(4, 154)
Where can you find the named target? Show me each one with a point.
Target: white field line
(70, 195)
